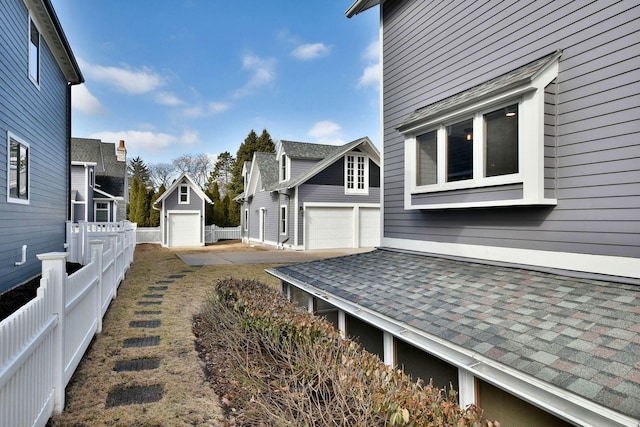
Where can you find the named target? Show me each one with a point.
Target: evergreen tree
(137, 169)
(142, 209)
(133, 199)
(214, 195)
(154, 214)
(233, 213)
(222, 171)
(226, 202)
(251, 144)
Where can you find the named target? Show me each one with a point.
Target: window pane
(427, 158)
(502, 141)
(18, 171)
(350, 172)
(460, 151)
(361, 172)
(34, 57)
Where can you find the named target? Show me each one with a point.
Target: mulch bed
(15, 298)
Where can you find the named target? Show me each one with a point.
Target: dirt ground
(185, 397)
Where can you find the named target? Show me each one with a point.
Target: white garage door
(369, 227)
(184, 229)
(328, 227)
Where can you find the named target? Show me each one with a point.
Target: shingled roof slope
(110, 173)
(307, 150)
(580, 335)
(268, 166)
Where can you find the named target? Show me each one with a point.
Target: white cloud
(83, 100)
(143, 140)
(262, 73)
(211, 109)
(169, 99)
(370, 76)
(127, 80)
(310, 51)
(371, 73)
(326, 132)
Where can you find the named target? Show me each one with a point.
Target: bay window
(484, 146)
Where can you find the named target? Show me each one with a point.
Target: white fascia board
(560, 402)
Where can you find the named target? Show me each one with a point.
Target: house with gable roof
(313, 196)
(99, 187)
(509, 265)
(37, 70)
(182, 213)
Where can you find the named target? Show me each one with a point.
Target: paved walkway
(264, 256)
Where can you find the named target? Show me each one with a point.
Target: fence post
(83, 245)
(54, 269)
(97, 251)
(113, 241)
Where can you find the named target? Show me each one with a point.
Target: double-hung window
(283, 219)
(484, 146)
(18, 170)
(356, 174)
(102, 212)
(183, 194)
(34, 52)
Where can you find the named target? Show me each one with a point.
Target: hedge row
(291, 368)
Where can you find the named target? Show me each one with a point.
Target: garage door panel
(329, 227)
(184, 229)
(369, 227)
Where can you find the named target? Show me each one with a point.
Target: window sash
(183, 194)
(356, 179)
(102, 212)
(283, 220)
(18, 171)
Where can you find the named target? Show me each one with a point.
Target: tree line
(221, 181)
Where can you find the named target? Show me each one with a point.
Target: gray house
(509, 265)
(37, 69)
(313, 196)
(99, 188)
(182, 213)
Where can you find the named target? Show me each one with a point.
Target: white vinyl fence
(43, 342)
(79, 234)
(212, 234)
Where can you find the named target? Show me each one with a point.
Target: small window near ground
(18, 173)
(183, 195)
(34, 52)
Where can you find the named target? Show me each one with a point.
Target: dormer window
(183, 194)
(283, 168)
(356, 174)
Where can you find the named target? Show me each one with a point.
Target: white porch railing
(43, 342)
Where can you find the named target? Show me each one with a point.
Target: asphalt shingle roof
(307, 150)
(110, 173)
(581, 335)
(268, 166)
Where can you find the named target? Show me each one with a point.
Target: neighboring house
(182, 213)
(509, 264)
(99, 188)
(313, 196)
(37, 70)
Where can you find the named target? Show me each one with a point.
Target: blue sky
(174, 77)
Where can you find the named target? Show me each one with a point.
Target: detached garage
(341, 226)
(182, 213)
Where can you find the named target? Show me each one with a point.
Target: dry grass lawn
(188, 399)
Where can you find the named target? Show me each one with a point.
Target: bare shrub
(290, 368)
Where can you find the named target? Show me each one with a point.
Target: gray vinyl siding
(171, 204)
(78, 182)
(434, 49)
(38, 116)
(299, 166)
(271, 203)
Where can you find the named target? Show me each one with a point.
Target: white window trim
(34, 79)
(530, 100)
(107, 209)
(11, 136)
(246, 219)
(284, 221)
(180, 187)
(355, 190)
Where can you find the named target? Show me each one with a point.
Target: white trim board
(618, 267)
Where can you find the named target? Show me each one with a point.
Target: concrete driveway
(264, 256)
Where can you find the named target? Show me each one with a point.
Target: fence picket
(39, 349)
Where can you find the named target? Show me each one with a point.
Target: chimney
(121, 152)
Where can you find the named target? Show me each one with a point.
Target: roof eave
(360, 6)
